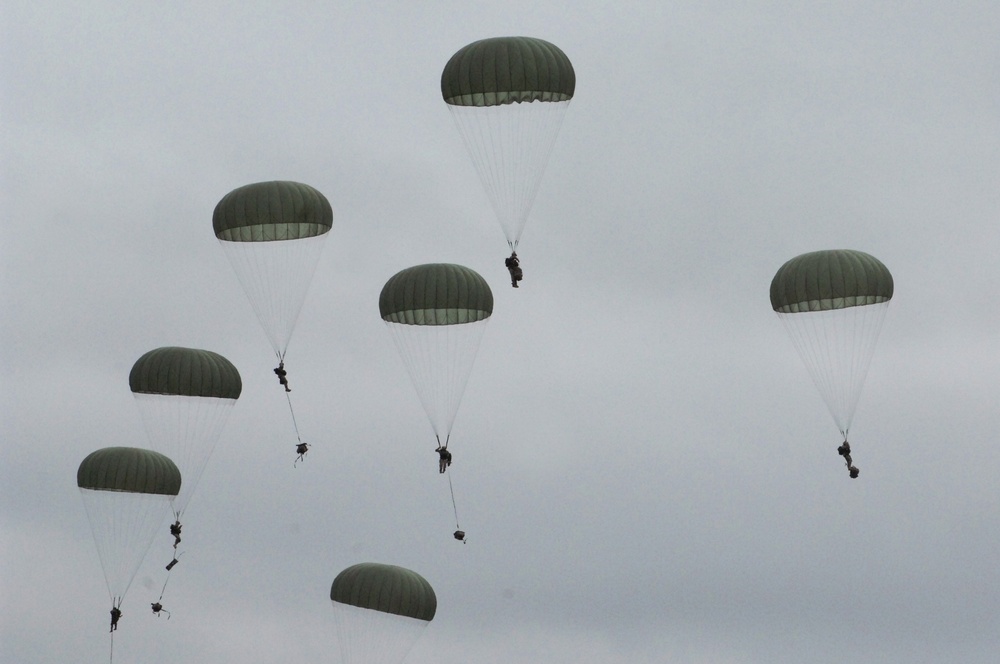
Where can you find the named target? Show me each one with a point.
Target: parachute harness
(513, 264)
(845, 451)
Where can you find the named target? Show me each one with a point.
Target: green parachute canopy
(827, 280)
(190, 372)
(385, 588)
(507, 70)
(269, 211)
(130, 470)
(435, 294)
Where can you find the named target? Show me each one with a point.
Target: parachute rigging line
(164, 589)
(169, 567)
(453, 506)
(294, 423)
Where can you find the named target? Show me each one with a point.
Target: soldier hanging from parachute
(273, 235)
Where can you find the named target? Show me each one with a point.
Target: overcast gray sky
(643, 465)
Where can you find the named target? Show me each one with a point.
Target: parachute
(380, 612)
(437, 314)
(126, 492)
(508, 96)
(185, 397)
(273, 234)
(833, 304)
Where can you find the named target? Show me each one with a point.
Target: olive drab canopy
(825, 280)
(273, 235)
(129, 470)
(507, 70)
(508, 97)
(126, 492)
(833, 304)
(185, 397)
(385, 588)
(380, 611)
(435, 294)
(272, 211)
(436, 314)
(185, 372)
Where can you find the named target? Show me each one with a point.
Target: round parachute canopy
(833, 303)
(507, 70)
(436, 294)
(827, 280)
(189, 372)
(387, 589)
(270, 211)
(130, 470)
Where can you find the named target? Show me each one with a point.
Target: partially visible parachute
(380, 612)
(508, 96)
(273, 234)
(185, 397)
(833, 304)
(127, 492)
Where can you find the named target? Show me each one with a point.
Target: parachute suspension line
(275, 276)
(164, 589)
(837, 348)
(439, 360)
(510, 146)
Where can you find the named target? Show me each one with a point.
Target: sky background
(643, 465)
